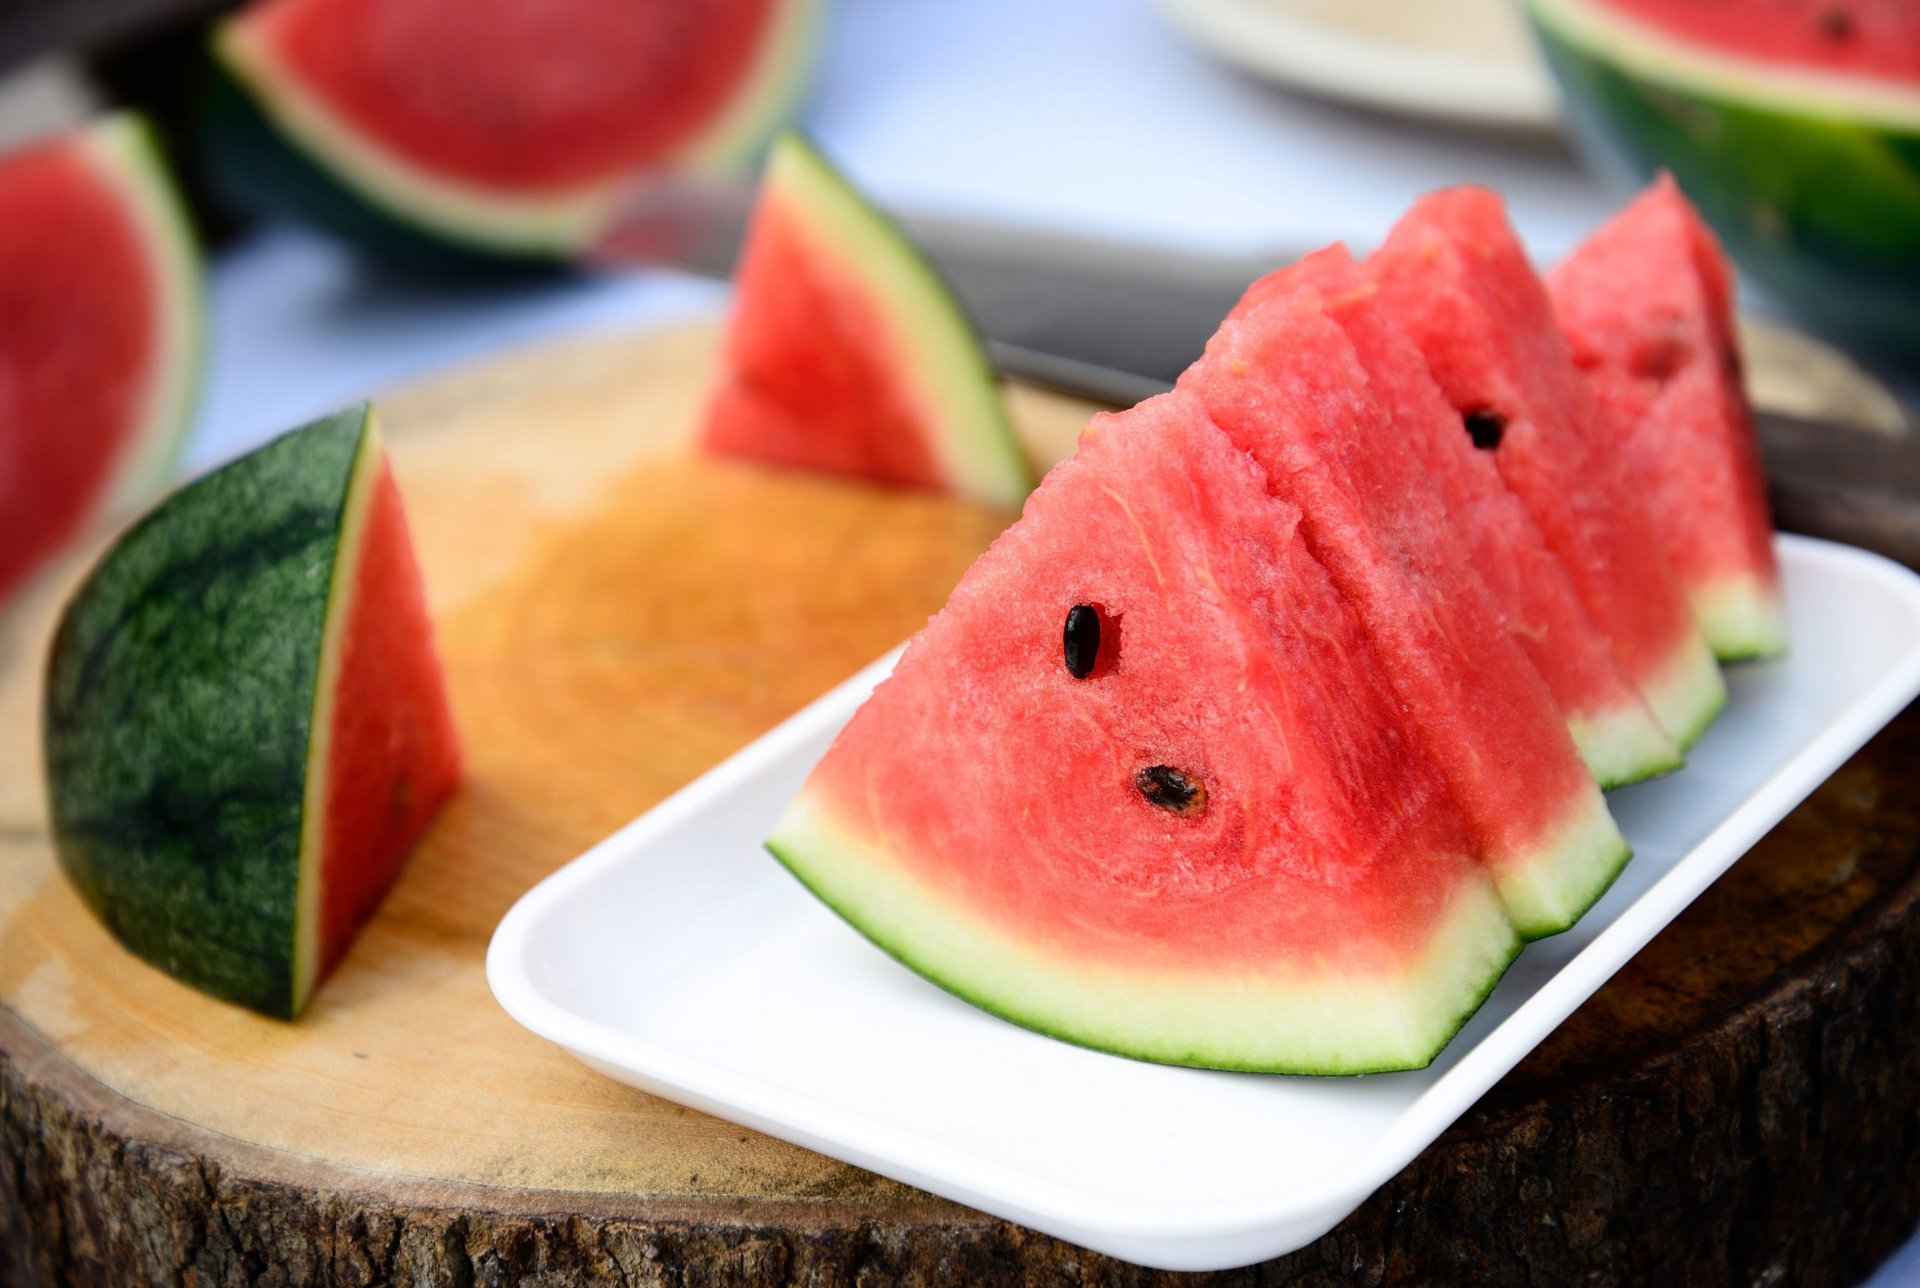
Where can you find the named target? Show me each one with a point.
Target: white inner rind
(313, 808)
(510, 220)
(945, 365)
(1741, 616)
(1648, 51)
(1566, 873)
(1688, 692)
(1273, 1016)
(1624, 745)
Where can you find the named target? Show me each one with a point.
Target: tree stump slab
(1741, 1104)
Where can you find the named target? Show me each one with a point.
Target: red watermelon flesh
(1284, 383)
(96, 343)
(1454, 273)
(1617, 735)
(1647, 306)
(392, 754)
(1875, 38)
(983, 817)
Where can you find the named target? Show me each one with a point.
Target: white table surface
(1076, 115)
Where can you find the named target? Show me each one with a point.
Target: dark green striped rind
(180, 694)
(1821, 207)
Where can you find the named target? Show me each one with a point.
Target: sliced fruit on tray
(246, 726)
(1794, 123)
(1616, 733)
(511, 130)
(1647, 307)
(1455, 275)
(1144, 785)
(1283, 381)
(847, 354)
(99, 335)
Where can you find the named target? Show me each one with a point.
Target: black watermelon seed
(1082, 640)
(1836, 23)
(1485, 428)
(1171, 790)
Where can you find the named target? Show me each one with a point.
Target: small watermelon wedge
(451, 132)
(100, 335)
(245, 726)
(1647, 307)
(1454, 272)
(1143, 784)
(1284, 383)
(1617, 734)
(847, 354)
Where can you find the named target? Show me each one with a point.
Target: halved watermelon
(1794, 123)
(1284, 382)
(499, 129)
(1144, 785)
(847, 354)
(1647, 307)
(1618, 736)
(1455, 274)
(99, 335)
(246, 728)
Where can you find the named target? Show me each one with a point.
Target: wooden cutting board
(1741, 1103)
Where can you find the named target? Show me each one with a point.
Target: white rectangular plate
(679, 957)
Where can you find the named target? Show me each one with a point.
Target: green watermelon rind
(1812, 179)
(1620, 748)
(178, 723)
(947, 365)
(1569, 873)
(275, 147)
(1689, 693)
(1743, 618)
(1242, 1023)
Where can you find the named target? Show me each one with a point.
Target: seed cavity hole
(1658, 359)
(1171, 790)
(1090, 641)
(1485, 427)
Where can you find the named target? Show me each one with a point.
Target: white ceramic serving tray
(678, 956)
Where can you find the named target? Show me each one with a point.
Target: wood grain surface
(1741, 1104)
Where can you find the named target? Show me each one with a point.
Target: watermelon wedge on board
(245, 726)
(1284, 383)
(1617, 734)
(1647, 307)
(1143, 785)
(847, 354)
(1455, 274)
(99, 335)
(442, 130)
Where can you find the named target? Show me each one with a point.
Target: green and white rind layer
(1623, 746)
(1689, 694)
(1261, 1019)
(126, 153)
(945, 364)
(1742, 618)
(1566, 874)
(1812, 179)
(474, 217)
(178, 719)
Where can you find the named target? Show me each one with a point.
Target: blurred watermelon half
(100, 335)
(1795, 124)
(441, 130)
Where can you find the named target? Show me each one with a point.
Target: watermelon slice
(1144, 785)
(847, 354)
(1455, 274)
(1617, 734)
(1283, 381)
(99, 335)
(423, 125)
(1647, 307)
(1794, 123)
(246, 729)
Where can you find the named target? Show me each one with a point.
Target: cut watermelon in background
(1617, 734)
(246, 729)
(1283, 381)
(1455, 274)
(423, 126)
(100, 335)
(1647, 307)
(847, 354)
(1223, 846)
